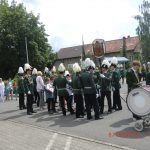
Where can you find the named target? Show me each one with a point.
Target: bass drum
(138, 101)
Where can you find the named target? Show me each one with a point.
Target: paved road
(116, 128)
(17, 136)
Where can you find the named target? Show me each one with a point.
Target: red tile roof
(111, 47)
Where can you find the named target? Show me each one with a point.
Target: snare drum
(138, 101)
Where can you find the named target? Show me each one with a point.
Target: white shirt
(2, 88)
(40, 83)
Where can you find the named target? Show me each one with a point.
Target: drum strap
(137, 77)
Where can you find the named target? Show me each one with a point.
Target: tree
(143, 29)
(16, 24)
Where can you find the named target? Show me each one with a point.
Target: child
(7, 90)
(50, 95)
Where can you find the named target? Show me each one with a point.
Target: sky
(67, 20)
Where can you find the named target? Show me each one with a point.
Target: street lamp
(26, 50)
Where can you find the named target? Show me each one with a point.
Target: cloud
(67, 20)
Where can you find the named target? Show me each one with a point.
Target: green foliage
(143, 29)
(16, 24)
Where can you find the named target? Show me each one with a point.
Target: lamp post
(26, 50)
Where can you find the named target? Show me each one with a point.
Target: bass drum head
(138, 102)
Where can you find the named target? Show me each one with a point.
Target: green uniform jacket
(116, 79)
(132, 80)
(28, 84)
(96, 77)
(60, 83)
(20, 85)
(105, 83)
(76, 84)
(87, 83)
(148, 78)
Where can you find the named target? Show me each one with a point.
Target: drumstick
(123, 99)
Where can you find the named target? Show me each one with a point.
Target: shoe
(98, 118)
(64, 113)
(89, 118)
(34, 111)
(117, 109)
(24, 107)
(109, 112)
(79, 116)
(21, 108)
(72, 112)
(29, 113)
(113, 108)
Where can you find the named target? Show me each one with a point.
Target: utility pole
(26, 50)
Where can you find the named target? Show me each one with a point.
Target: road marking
(68, 143)
(52, 140)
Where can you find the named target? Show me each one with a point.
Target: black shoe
(72, 112)
(64, 113)
(21, 108)
(79, 116)
(24, 107)
(98, 118)
(29, 113)
(117, 109)
(113, 108)
(34, 111)
(109, 112)
(89, 118)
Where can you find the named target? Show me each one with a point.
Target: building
(70, 55)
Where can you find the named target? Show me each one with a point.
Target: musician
(36, 94)
(96, 81)
(132, 79)
(21, 89)
(77, 88)
(116, 85)
(148, 74)
(60, 83)
(89, 90)
(28, 85)
(70, 91)
(105, 86)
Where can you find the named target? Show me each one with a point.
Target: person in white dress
(2, 90)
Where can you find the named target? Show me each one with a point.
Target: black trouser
(116, 99)
(55, 95)
(51, 104)
(29, 103)
(108, 96)
(21, 101)
(78, 98)
(90, 100)
(69, 103)
(62, 103)
(36, 98)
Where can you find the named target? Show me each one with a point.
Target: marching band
(79, 92)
